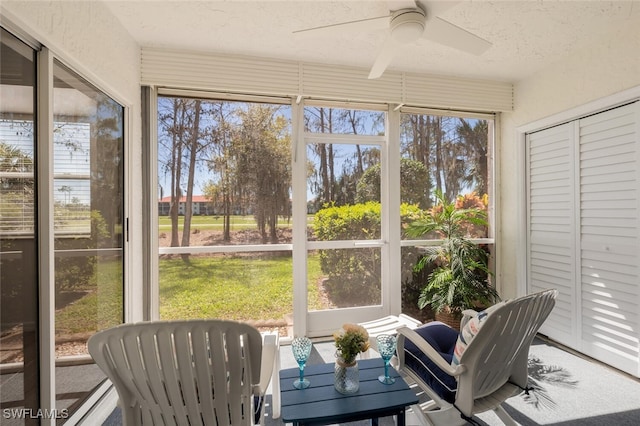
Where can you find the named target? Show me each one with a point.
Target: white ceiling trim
(259, 76)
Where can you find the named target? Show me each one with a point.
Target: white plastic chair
(492, 368)
(386, 325)
(191, 372)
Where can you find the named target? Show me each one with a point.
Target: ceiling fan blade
(451, 35)
(435, 8)
(388, 51)
(401, 4)
(360, 25)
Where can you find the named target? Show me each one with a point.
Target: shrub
(353, 274)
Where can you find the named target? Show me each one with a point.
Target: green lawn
(213, 223)
(237, 288)
(249, 287)
(100, 308)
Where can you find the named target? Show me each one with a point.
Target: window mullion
(44, 161)
(299, 191)
(391, 214)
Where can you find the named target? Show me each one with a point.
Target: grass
(101, 308)
(238, 288)
(248, 287)
(215, 223)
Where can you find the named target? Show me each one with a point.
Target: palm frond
(538, 395)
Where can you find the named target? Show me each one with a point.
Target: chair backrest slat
(187, 380)
(498, 353)
(166, 350)
(192, 372)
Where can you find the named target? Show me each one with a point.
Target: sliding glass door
(18, 232)
(88, 188)
(63, 185)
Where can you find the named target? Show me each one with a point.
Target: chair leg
(415, 417)
(447, 416)
(504, 416)
(275, 388)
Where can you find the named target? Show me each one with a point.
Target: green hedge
(353, 275)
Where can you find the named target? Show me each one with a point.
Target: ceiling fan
(408, 21)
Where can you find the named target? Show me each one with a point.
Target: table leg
(374, 421)
(401, 418)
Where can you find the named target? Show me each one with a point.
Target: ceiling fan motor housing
(407, 25)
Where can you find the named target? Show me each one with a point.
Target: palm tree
(460, 271)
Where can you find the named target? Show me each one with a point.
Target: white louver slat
(259, 76)
(610, 237)
(551, 226)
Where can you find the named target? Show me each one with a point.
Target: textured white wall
(606, 68)
(85, 36)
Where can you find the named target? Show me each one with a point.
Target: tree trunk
(176, 170)
(193, 152)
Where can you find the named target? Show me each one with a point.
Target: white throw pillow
(469, 331)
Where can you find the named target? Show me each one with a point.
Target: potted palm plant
(459, 268)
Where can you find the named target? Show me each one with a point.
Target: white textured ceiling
(527, 35)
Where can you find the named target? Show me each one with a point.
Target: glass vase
(347, 377)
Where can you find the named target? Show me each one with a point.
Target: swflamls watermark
(31, 413)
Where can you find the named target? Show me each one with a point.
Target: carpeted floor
(571, 391)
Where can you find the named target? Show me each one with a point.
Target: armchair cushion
(443, 339)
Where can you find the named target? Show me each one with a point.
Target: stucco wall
(604, 69)
(85, 36)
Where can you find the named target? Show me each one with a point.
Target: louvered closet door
(609, 237)
(551, 226)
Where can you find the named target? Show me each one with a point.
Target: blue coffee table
(321, 404)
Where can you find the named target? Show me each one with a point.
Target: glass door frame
(324, 323)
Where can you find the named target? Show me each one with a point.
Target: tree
(107, 162)
(13, 160)
(263, 156)
(414, 178)
(249, 160)
(474, 136)
(172, 117)
(193, 148)
(455, 150)
(419, 134)
(182, 139)
(338, 168)
(16, 191)
(320, 120)
(221, 164)
(66, 190)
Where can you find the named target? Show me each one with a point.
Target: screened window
(261, 223)
(445, 165)
(224, 211)
(448, 155)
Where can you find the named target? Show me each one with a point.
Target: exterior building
(201, 206)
